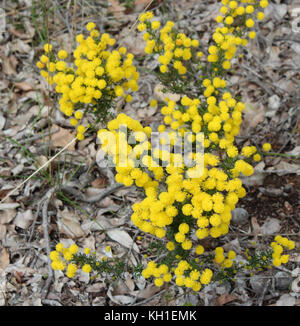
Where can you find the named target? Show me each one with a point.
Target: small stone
(239, 216)
(286, 300)
(283, 281)
(257, 284)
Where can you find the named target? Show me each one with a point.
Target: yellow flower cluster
(177, 51)
(184, 273)
(220, 257)
(244, 11)
(61, 259)
(174, 48)
(280, 243)
(186, 203)
(97, 76)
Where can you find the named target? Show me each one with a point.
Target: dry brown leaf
(4, 258)
(71, 228)
(107, 202)
(8, 66)
(4, 192)
(62, 137)
(23, 86)
(116, 8)
(148, 292)
(68, 223)
(100, 183)
(226, 298)
(7, 216)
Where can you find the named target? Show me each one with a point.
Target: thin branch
(96, 198)
(25, 141)
(47, 241)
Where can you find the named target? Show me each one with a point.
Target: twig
(38, 137)
(96, 198)
(38, 170)
(149, 299)
(261, 299)
(34, 220)
(47, 240)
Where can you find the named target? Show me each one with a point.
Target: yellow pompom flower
(199, 250)
(267, 147)
(170, 246)
(73, 249)
(87, 251)
(54, 255)
(250, 23)
(48, 47)
(86, 268)
(90, 26)
(71, 270)
(62, 54)
(59, 247)
(155, 25)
